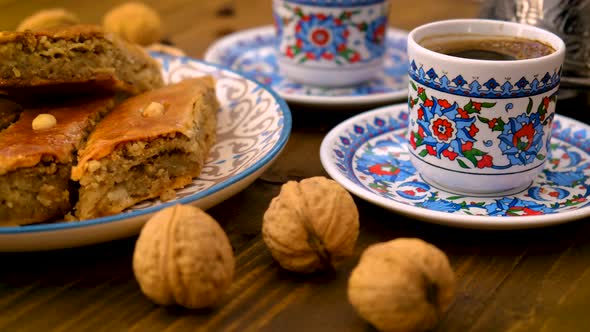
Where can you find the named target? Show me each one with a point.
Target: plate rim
(307, 99)
(440, 217)
(270, 156)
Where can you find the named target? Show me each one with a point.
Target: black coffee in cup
(481, 47)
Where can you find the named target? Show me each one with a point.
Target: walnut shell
(311, 225)
(48, 18)
(183, 256)
(134, 21)
(402, 285)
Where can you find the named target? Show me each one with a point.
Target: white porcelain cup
(481, 126)
(330, 42)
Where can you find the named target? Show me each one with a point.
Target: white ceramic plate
(368, 155)
(252, 53)
(253, 127)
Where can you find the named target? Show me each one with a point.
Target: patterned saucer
(368, 155)
(252, 53)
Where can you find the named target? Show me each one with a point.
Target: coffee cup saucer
(368, 155)
(251, 52)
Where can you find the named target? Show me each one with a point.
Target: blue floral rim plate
(252, 53)
(368, 155)
(253, 126)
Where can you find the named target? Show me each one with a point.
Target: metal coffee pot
(570, 19)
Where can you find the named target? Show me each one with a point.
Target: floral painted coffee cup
(481, 126)
(330, 42)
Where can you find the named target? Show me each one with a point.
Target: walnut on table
(402, 285)
(48, 18)
(134, 21)
(183, 256)
(311, 225)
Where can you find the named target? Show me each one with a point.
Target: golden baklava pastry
(146, 147)
(74, 59)
(36, 157)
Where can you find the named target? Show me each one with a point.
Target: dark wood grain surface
(530, 280)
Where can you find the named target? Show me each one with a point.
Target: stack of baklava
(96, 130)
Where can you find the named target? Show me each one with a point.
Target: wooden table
(533, 280)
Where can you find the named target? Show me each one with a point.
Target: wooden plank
(548, 288)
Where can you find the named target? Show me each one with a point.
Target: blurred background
(193, 25)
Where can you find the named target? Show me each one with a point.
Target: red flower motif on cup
(320, 36)
(462, 113)
(523, 138)
(450, 154)
(444, 103)
(477, 106)
(492, 123)
(443, 129)
(467, 146)
(473, 130)
(485, 161)
(546, 101)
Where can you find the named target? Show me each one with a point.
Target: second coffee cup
(330, 43)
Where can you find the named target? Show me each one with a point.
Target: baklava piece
(149, 145)
(9, 112)
(78, 58)
(36, 157)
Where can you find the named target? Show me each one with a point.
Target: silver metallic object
(570, 19)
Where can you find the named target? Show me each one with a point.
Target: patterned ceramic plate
(368, 155)
(251, 52)
(253, 127)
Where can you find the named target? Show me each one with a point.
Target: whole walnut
(134, 21)
(311, 225)
(183, 256)
(402, 285)
(48, 18)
